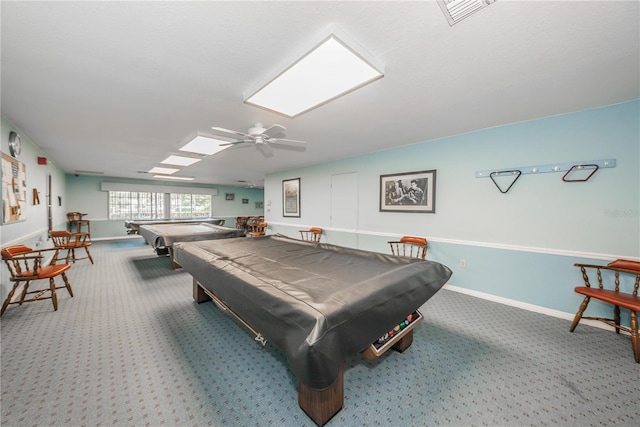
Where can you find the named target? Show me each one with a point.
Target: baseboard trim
(530, 307)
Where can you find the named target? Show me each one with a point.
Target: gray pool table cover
(318, 303)
(165, 235)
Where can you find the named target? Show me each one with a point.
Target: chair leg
(616, 318)
(579, 314)
(67, 284)
(54, 298)
(24, 291)
(8, 300)
(88, 254)
(635, 336)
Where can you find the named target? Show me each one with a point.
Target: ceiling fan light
(328, 71)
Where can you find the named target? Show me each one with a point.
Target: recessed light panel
(179, 160)
(204, 145)
(330, 70)
(176, 178)
(163, 170)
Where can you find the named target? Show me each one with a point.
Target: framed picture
(14, 190)
(229, 196)
(408, 192)
(245, 201)
(291, 197)
(259, 205)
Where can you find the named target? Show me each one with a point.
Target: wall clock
(15, 144)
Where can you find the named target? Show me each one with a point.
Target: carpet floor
(132, 348)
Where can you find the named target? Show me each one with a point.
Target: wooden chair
(241, 222)
(311, 235)
(26, 265)
(258, 230)
(611, 293)
(77, 224)
(410, 247)
(67, 241)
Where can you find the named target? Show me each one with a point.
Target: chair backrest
(409, 247)
(60, 238)
(11, 251)
(241, 221)
(258, 229)
(311, 235)
(74, 216)
(21, 261)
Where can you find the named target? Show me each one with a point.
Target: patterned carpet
(132, 348)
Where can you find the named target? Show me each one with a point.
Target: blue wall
(85, 196)
(519, 246)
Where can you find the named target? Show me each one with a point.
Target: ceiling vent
(456, 10)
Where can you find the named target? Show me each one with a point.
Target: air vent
(457, 10)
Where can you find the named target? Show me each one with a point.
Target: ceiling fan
(263, 138)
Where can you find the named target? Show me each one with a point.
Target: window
(126, 205)
(132, 205)
(190, 206)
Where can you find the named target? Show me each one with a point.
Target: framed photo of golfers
(408, 192)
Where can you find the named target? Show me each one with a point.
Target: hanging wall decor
(291, 197)
(14, 190)
(408, 192)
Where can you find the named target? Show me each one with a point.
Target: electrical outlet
(463, 263)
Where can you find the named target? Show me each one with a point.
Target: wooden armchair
(410, 247)
(258, 229)
(311, 235)
(611, 293)
(67, 241)
(25, 266)
(241, 222)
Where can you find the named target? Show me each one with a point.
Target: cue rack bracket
(573, 171)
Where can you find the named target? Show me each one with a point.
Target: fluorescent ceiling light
(328, 71)
(163, 170)
(177, 178)
(205, 145)
(180, 160)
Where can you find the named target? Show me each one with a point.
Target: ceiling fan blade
(274, 131)
(265, 149)
(229, 131)
(286, 141)
(234, 143)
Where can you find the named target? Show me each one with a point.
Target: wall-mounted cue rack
(573, 171)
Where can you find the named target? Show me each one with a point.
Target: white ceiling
(115, 87)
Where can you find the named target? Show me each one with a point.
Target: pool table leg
(404, 342)
(199, 295)
(322, 405)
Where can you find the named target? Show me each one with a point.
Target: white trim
(529, 307)
(31, 235)
(105, 239)
(123, 186)
(531, 249)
